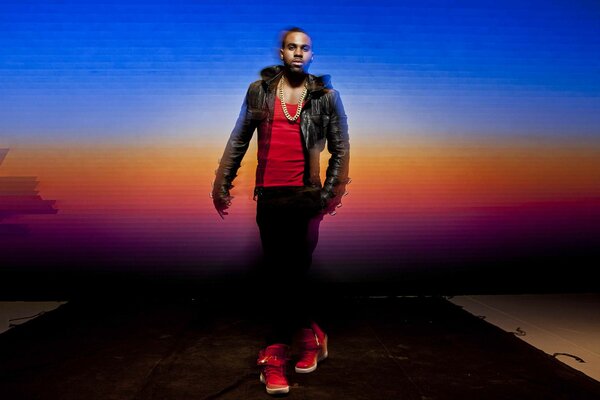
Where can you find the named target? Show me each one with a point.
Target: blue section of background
(176, 71)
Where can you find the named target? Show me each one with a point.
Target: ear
(281, 53)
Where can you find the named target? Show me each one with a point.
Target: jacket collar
(271, 75)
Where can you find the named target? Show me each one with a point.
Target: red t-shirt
(280, 153)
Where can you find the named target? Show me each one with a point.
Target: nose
(298, 52)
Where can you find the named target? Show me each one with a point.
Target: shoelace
(274, 373)
(273, 368)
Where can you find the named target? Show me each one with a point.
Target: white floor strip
(14, 313)
(564, 325)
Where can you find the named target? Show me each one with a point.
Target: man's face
(297, 52)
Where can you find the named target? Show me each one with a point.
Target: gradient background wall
(475, 131)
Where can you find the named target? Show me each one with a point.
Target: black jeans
(288, 218)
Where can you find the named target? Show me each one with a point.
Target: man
(295, 113)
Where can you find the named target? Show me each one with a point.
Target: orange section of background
(172, 181)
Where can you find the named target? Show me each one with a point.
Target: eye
(306, 48)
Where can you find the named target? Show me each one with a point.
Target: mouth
(297, 63)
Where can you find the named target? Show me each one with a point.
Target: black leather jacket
(322, 120)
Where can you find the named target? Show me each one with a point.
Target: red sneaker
(272, 361)
(313, 348)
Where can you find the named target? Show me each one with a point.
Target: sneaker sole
(285, 389)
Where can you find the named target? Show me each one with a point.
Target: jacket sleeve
(236, 148)
(338, 145)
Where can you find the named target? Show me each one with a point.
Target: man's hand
(221, 200)
(330, 202)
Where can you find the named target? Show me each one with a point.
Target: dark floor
(380, 348)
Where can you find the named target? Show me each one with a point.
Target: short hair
(293, 29)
